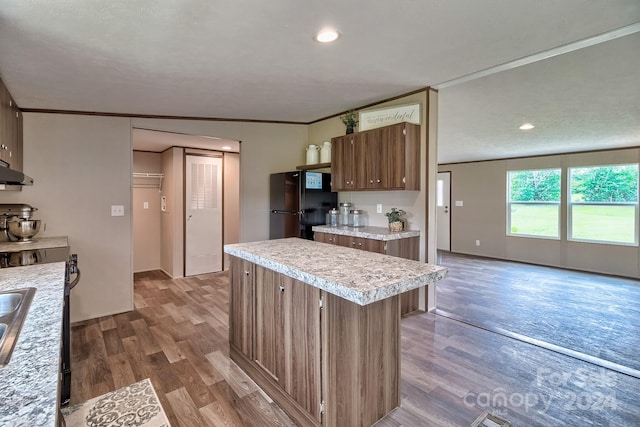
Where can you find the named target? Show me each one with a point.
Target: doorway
(203, 214)
(443, 211)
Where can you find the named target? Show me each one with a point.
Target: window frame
(558, 204)
(571, 204)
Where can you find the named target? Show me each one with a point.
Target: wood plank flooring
(595, 317)
(451, 372)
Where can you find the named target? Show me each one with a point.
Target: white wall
(81, 166)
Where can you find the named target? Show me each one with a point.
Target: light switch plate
(379, 208)
(145, 205)
(459, 203)
(117, 210)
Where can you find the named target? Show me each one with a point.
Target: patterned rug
(136, 405)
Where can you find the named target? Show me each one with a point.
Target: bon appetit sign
(389, 116)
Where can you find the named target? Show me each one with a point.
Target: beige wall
(231, 193)
(146, 222)
(81, 166)
(482, 188)
(414, 202)
(265, 148)
(172, 219)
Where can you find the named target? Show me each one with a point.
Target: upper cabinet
(10, 130)
(386, 158)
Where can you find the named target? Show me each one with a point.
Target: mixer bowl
(23, 230)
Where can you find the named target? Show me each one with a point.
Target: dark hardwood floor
(590, 316)
(451, 372)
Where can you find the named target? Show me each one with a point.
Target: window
(533, 201)
(603, 204)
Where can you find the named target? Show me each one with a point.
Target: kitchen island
(317, 326)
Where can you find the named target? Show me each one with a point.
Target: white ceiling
(158, 141)
(256, 60)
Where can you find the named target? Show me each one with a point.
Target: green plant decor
(395, 215)
(350, 120)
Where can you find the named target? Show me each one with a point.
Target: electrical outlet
(459, 202)
(145, 205)
(477, 242)
(117, 210)
(379, 208)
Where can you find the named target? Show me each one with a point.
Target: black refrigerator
(298, 201)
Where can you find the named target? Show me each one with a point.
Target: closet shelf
(142, 180)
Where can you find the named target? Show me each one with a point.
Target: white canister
(312, 154)
(325, 152)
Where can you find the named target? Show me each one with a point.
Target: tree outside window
(603, 204)
(534, 203)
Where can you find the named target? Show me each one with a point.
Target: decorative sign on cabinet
(386, 158)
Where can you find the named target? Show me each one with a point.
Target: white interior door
(203, 215)
(443, 210)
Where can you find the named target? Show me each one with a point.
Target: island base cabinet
(361, 354)
(324, 360)
(241, 298)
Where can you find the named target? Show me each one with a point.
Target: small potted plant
(350, 120)
(395, 219)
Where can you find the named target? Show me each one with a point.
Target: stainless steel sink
(14, 306)
(9, 302)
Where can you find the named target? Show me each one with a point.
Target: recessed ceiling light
(327, 35)
(526, 126)
(226, 147)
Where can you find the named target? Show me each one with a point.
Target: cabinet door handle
(359, 244)
(378, 181)
(371, 182)
(246, 272)
(353, 243)
(281, 289)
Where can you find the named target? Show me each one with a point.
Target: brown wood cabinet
(326, 361)
(10, 130)
(408, 248)
(287, 336)
(242, 279)
(386, 158)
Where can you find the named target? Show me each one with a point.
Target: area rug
(136, 405)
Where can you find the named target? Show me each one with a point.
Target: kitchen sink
(14, 306)
(9, 302)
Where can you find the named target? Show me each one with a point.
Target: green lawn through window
(604, 223)
(534, 220)
(598, 223)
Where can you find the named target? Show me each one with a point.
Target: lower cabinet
(287, 336)
(408, 247)
(324, 360)
(241, 278)
(275, 325)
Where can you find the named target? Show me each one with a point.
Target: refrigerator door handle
(283, 212)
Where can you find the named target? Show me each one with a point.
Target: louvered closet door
(203, 215)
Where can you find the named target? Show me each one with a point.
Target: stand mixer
(16, 224)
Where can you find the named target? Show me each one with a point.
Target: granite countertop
(29, 382)
(367, 232)
(36, 243)
(358, 276)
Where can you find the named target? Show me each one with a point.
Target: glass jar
(344, 208)
(356, 218)
(334, 217)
